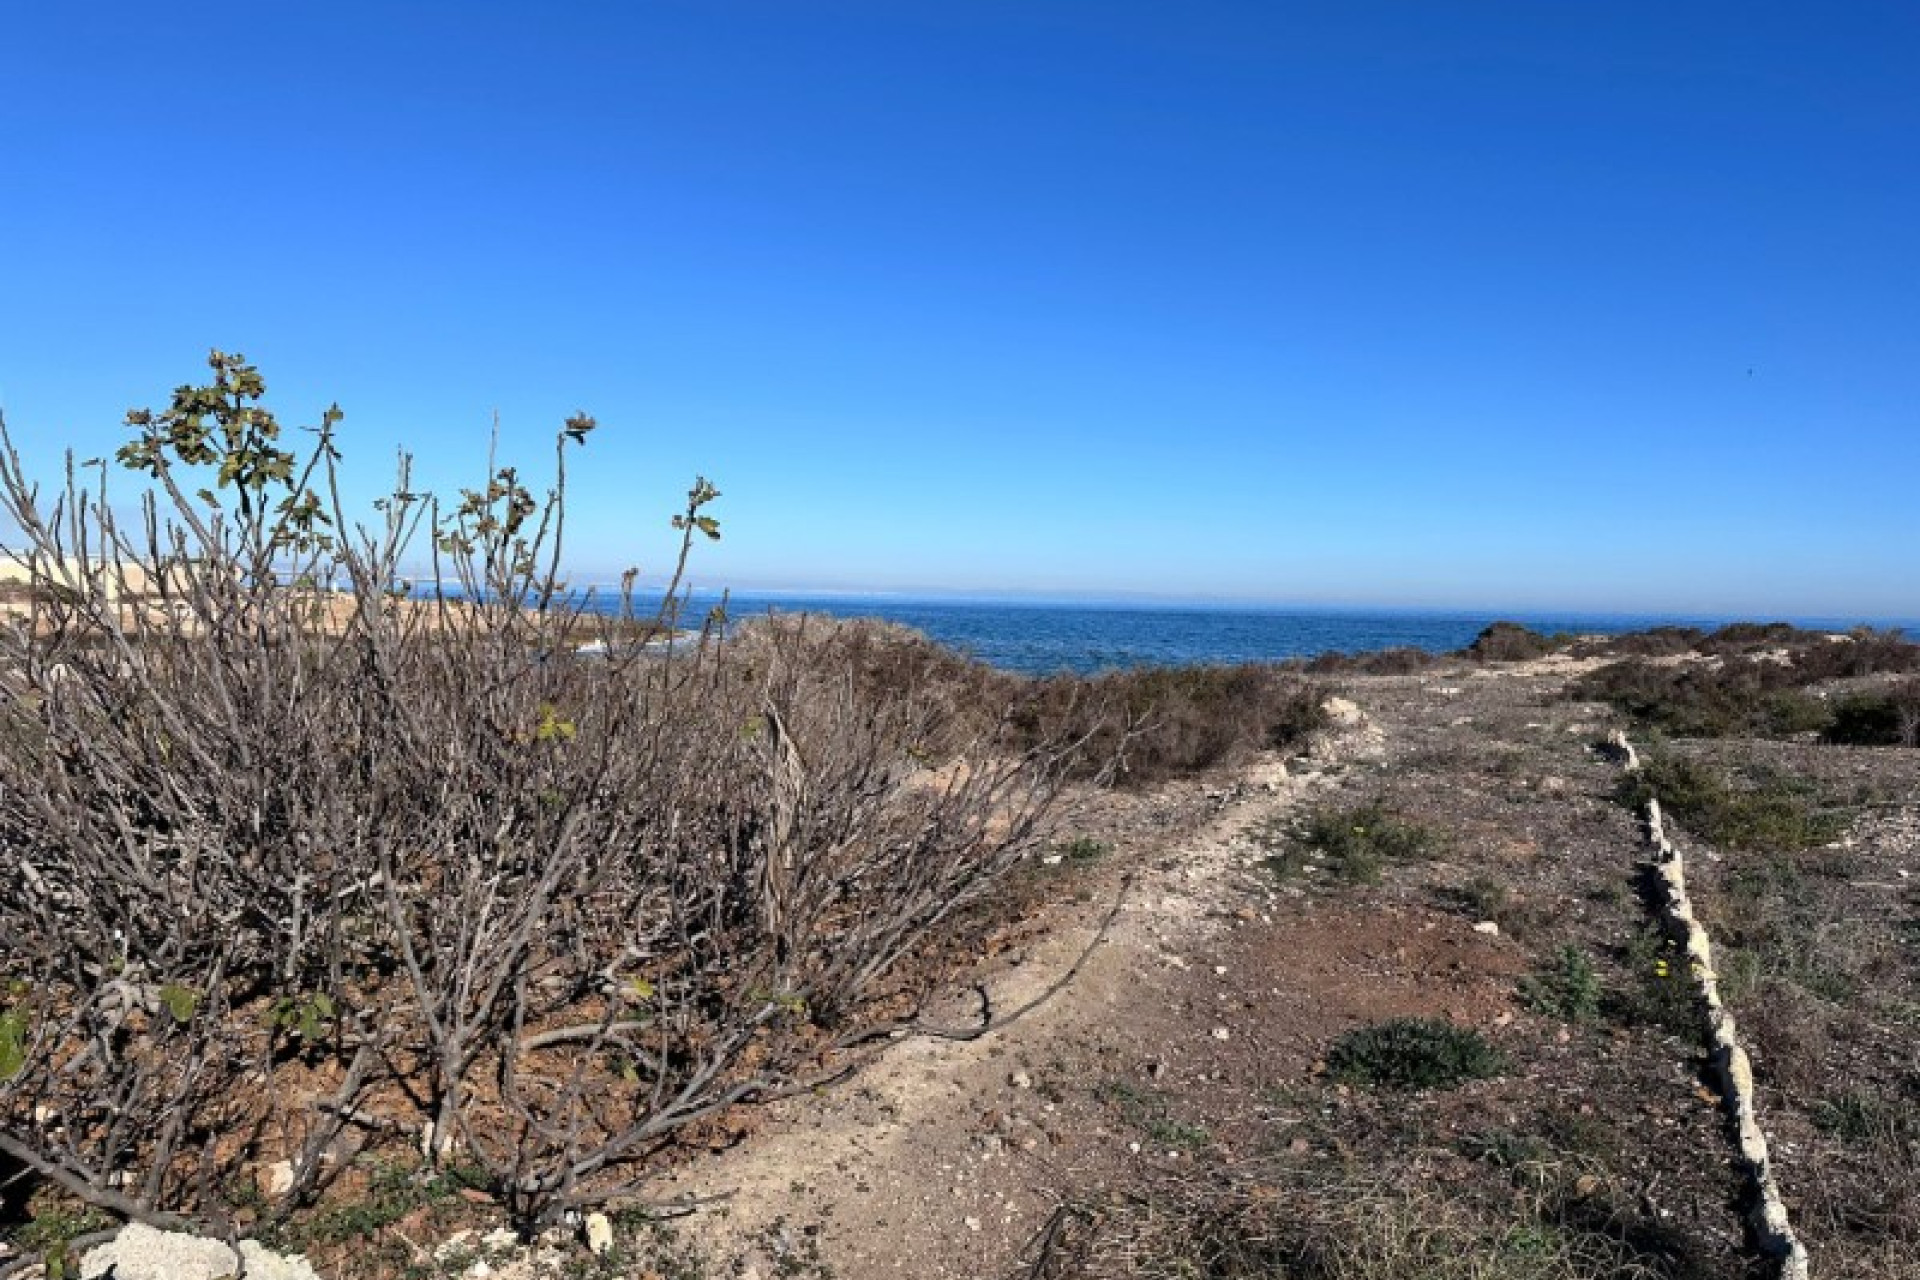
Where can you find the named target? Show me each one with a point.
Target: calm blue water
(1045, 638)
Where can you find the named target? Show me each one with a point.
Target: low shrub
(1083, 849)
(1484, 897)
(1660, 990)
(1751, 637)
(1741, 697)
(1566, 987)
(1358, 842)
(1883, 718)
(1655, 642)
(1770, 811)
(1512, 642)
(1414, 1053)
(1399, 660)
(1154, 723)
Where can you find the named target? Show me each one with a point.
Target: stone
(1489, 927)
(279, 1178)
(599, 1230)
(141, 1252)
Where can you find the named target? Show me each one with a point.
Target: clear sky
(1520, 305)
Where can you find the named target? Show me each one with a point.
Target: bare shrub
(300, 870)
(1399, 660)
(1155, 723)
(1513, 642)
(1655, 642)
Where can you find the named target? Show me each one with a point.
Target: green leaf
(13, 1043)
(179, 1001)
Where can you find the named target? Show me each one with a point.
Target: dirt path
(1188, 1055)
(945, 1158)
(947, 1154)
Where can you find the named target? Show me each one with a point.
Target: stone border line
(1772, 1233)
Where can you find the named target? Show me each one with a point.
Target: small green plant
(393, 1190)
(1566, 987)
(1151, 1113)
(1661, 994)
(1414, 1053)
(1358, 842)
(1484, 897)
(50, 1233)
(1083, 849)
(14, 1029)
(306, 1017)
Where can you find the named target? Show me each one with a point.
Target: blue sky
(1480, 305)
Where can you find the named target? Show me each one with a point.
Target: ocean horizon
(1040, 637)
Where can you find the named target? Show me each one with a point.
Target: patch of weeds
(1414, 1053)
(1566, 987)
(1737, 971)
(1484, 897)
(795, 1253)
(1660, 993)
(1356, 843)
(1741, 697)
(1150, 1112)
(392, 1192)
(1773, 812)
(1269, 1223)
(52, 1228)
(1504, 1149)
(1860, 1117)
(1770, 928)
(650, 1243)
(1082, 850)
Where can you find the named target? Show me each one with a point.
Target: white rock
(1221, 1033)
(279, 1177)
(1488, 927)
(973, 1224)
(1020, 1080)
(1343, 711)
(141, 1252)
(599, 1233)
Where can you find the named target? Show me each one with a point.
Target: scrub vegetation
(313, 864)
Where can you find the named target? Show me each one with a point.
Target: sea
(1046, 637)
